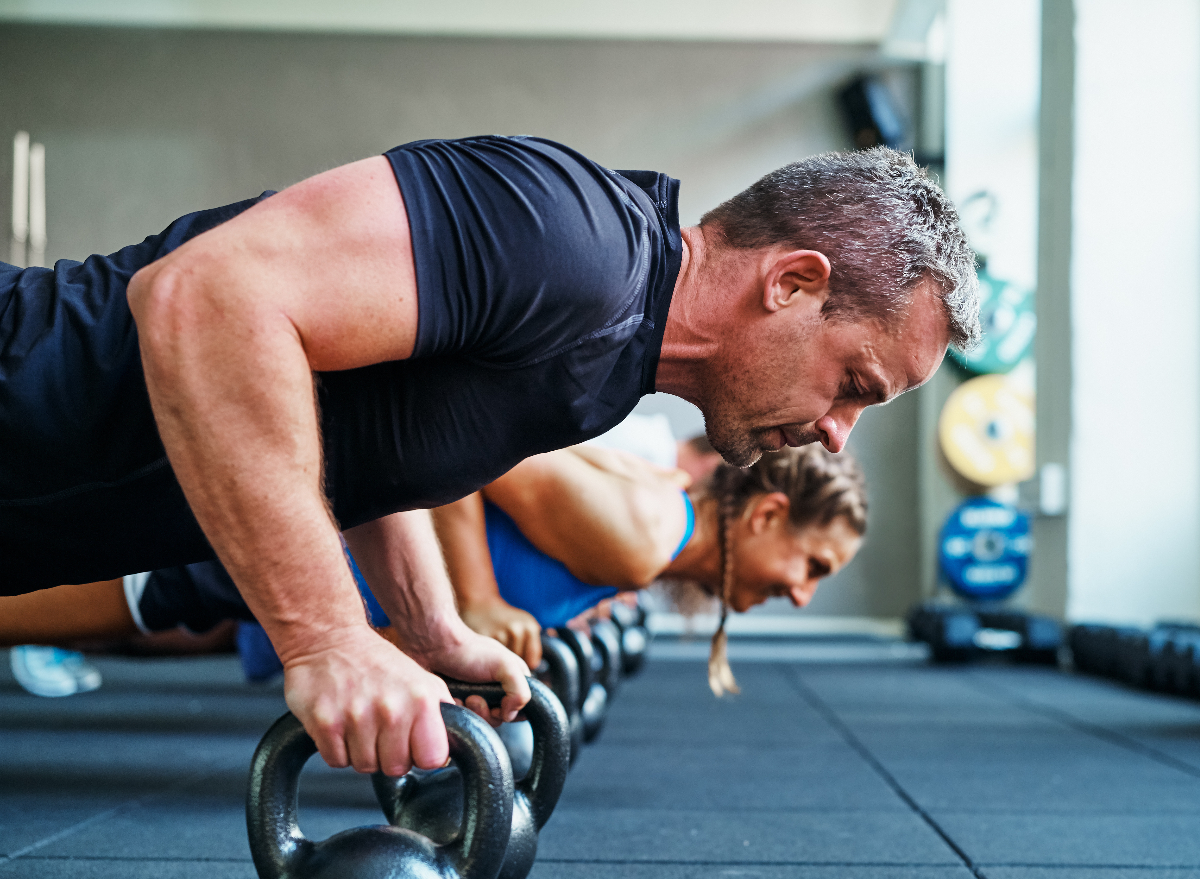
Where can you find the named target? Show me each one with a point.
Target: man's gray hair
(881, 222)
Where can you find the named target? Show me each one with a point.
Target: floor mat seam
(830, 716)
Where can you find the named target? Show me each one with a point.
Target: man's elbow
(173, 305)
(155, 296)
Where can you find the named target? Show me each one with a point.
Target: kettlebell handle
(278, 846)
(276, 841)
(547, 774)
(581, 646)
(564, 672)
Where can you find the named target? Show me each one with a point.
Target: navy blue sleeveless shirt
(543, 282)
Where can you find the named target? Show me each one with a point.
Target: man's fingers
(392, 747)
(480, 707)
(330, 743)
(361, 734)
(428, 744)
(369, 706)
(516, 691)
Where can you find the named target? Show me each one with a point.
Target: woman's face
(772, 558)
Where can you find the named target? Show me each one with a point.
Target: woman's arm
(612, 519)
(462, 531)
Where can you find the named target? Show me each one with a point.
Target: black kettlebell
(593, 707)
(281, 851)
(606, 639)
(634, 636)
(431, 802)
(560, 672)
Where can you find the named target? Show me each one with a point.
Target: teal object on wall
(1009, 325)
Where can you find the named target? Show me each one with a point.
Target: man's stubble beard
(736, 448)
(742, 446)
(739, 446)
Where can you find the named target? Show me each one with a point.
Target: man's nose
(802, 593)
(835, 427)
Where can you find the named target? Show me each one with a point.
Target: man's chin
(741, 455)
(737, 448)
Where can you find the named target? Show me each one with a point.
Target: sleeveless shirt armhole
(689, 528)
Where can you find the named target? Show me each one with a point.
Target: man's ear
(798, 276)
(768, 509)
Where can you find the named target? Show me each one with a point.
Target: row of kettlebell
(585, 672)
(468, 820)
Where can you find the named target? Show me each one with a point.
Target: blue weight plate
(984, 549)
(1009, 323)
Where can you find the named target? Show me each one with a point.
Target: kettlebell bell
(634, 636)
(430, 803)
(560, 672)
(281, 851)
(606, 639)
(594, 705)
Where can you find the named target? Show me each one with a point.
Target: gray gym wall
(141, 126)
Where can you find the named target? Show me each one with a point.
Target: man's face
(807, 379)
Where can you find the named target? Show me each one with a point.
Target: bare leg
(66, 614)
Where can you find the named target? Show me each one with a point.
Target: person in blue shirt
(568, 529)
(552, 538)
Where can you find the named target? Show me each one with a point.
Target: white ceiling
(805, 21)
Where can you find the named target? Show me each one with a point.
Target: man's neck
(688, 342)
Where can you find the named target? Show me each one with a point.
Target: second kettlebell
(431, 803)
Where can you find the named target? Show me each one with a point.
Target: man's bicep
(333, 253)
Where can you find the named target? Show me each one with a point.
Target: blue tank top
(535, 582)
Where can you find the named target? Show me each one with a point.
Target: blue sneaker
(51, 672)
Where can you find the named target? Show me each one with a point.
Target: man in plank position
(395, 333)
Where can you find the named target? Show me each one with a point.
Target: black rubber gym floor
(870, 770)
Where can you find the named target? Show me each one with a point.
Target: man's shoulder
(524, 246)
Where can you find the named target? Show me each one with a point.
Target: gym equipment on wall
(986, 431)
(984, 549)
(872, 113)
(1009, 324)
(27, 246)
(281, 851)
(431, 803)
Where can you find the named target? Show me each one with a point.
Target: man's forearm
(402, 560)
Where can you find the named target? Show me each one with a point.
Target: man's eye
(817, 569)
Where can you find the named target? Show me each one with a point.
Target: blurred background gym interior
(1004, 683)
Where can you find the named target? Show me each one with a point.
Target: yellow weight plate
(986, 430)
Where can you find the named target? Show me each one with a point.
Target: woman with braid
(564, 531)
(561, 524)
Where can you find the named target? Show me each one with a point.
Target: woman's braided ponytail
(820, 487)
